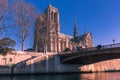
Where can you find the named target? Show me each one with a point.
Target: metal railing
(99, 47)
(111, 46)
(5, 69)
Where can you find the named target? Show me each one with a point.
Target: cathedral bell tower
(49, 29)
(51, 17)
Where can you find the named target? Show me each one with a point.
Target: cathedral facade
(47, 35)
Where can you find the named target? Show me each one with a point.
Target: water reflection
(101, 76)
(90, 76)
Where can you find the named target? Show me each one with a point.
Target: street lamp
(113, 41)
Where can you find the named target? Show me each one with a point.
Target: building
(47, 36)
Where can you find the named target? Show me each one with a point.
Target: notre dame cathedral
(47, 36)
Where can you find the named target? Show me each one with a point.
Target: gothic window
(10, 59)
(55, 17)
(61, 45)
(52, 15)
(64, 44)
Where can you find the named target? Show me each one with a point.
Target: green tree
(67, 50)
(6, 45)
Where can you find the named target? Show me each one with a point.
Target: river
(82, 76)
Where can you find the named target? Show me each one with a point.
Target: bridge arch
(93, 55)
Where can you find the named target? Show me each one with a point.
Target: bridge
(94, 59)
(91, 55)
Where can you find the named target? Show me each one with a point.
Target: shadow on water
(42, 77)
(88, 76)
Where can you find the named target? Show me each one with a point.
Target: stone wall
(16, 57)
(109, 65)
(12, 59)
(47, 64)
(50, 63)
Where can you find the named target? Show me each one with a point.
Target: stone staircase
(23, 62)
(26, 65)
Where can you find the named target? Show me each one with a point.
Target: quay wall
(46, 64)
(108, 65)
(16, 57)
(53, 64)
(49, 63)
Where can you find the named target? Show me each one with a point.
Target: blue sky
(101, 17)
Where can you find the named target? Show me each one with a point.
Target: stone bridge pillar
(32, 66)
(47, 65)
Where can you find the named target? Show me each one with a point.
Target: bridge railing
(99, 47)
(5, 69)
(111, 46)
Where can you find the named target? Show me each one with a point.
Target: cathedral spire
(75, 30)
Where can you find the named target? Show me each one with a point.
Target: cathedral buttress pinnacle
(75, 30)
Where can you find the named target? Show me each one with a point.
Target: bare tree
(3, 13)
(41, 34)
(24, 16)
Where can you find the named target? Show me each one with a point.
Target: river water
(85, 76)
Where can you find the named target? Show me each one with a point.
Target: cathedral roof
(80, 37)
(61, 35)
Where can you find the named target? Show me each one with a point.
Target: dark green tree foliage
(6, 45)
(7, 42)
(67, 50)
(99, 46)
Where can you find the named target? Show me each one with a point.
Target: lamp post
(113, 41)
(11, 67)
